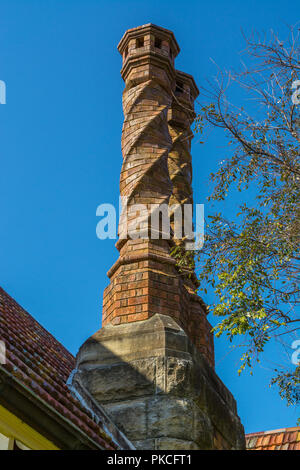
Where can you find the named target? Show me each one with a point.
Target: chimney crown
(148, 39)
(186, 86)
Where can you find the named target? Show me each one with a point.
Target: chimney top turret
(148, 40)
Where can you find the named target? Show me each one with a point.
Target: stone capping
(158, 323)
(110, 331)
(147, 355)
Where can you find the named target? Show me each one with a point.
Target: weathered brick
(156, 169)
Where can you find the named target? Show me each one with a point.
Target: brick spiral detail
(145, 145)
(180, 118)
(156, 170)
(180, 168)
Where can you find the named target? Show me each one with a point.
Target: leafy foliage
(289, 385)
(252, 260)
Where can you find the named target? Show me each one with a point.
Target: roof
(278, 439)
(42, 364)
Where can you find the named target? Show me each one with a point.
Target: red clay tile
(266, 440)
(279, 439)
(292, 436)
(285, 446)
(38, 360)
(259, 441)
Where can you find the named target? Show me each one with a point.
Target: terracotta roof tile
(252, 442)
(43, 364)
(278, 439)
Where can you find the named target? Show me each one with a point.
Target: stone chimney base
(158, 388)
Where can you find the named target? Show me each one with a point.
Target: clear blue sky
(60, 154)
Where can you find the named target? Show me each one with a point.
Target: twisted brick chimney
(158, 104)
(151, 364)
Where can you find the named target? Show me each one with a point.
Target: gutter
(34, 411)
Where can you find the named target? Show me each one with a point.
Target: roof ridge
(273, 431)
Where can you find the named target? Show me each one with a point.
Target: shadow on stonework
(157, 388)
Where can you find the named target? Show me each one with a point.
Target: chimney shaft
(151, 364)
(158, 104)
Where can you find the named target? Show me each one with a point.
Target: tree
(252, 260)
